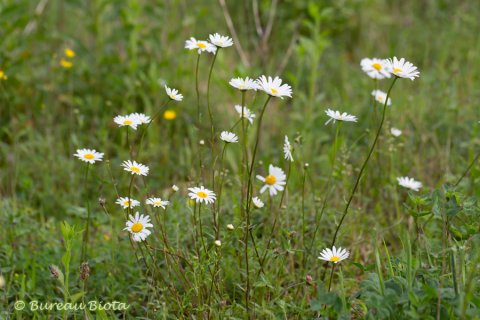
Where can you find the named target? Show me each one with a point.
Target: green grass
(413, 255)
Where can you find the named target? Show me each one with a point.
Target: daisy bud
(202, 142)
(54, 271)
(101, 201)
(306, 165)
(2, 281)
(218, 243)
(230, 227)
(175, 188)
(84, 271)
(309, 279)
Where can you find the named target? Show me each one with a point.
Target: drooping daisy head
(380, 96)
(200, 45)
(274, 87)
(403, 69)
(157, 202)
(201, 195)
(220, 41)
(274, 181)
(244, 84)
(395, 132)
(375, 68)
(141, 118)
(138, 227)
(135, 168)
(127, 202)
(89, 155)
(245, 112)
(287, 150)
(409, 183)
(229, 137)
(334, 255)
(131, 121)
(257, 202)
(173, 94)
(336, 115)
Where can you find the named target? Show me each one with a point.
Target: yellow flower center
(89, 156)
(377, 66)
(127, 122)
(202, 194)
(137, 227)
(126, 203)
(157, 203)
(397, 70)
(135, 169)
(169, 115)
(201, 45)
(274, 91)
(334, 259)
(270, 180)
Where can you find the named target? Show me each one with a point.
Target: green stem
(364, 165)
(212, 133)
(197, 91)
(86, 234)
(468, 169)
(148, 125)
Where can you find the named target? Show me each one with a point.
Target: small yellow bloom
(66, 64)
(169, 115)
(106, 237)
(69, 53)
(3, 76)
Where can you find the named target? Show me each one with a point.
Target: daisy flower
(336, 115)
(201, 45)
(127, 202)
(287, 150)
(334, 255)
(157, 202)
(243, 84)
(395, 132)
(173, 94)
(409, 183)
(274, 87)
(131, 121)
(201, 195)
(375, 68)
(135, 168)
(137, 226)
(403, 69)
(229, 137)
(257, 202)
(89, 155)
(380, 96)
(141, 118)
(247, 114)
(221, 41)
(274, 181)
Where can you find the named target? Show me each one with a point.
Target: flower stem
(212, 133)
(468, 169)
(331, 277)
(86, 234)
(148, 125)
(248, 204)
(364, 165)
(197, 91)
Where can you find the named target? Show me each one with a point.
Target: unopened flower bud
(84, 271)
(218, 243)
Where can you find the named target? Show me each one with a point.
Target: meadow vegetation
(329, 203)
